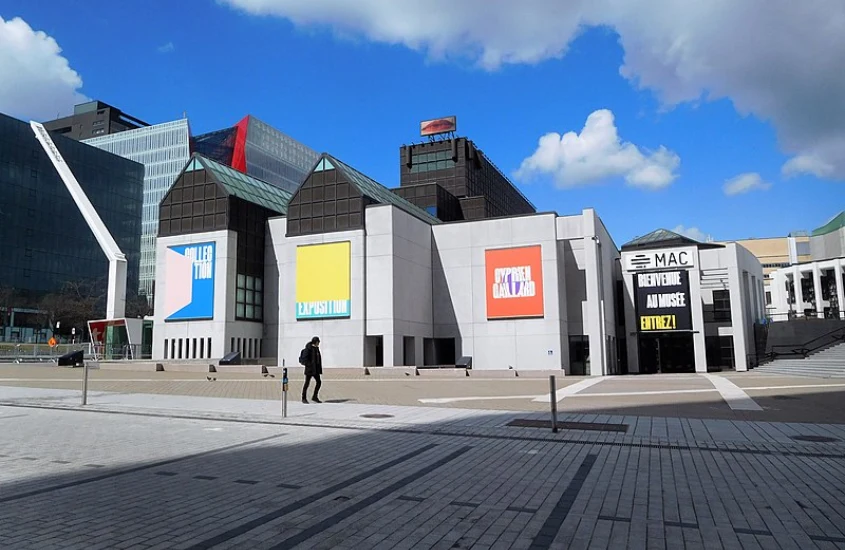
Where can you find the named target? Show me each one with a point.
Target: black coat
(314, 366)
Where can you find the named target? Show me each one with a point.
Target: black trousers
(308, 378)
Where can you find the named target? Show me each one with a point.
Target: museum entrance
(667, 352)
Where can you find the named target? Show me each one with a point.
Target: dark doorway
(579, 355)
(374, 352)
(439, 351)
(409, 351)
(667, 352)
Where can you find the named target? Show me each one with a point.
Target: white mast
(116, 298)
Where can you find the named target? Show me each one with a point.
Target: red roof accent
(239, 154)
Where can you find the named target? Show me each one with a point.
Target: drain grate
(785, 397)
(376, 415)
(814, 438)
(584, 426)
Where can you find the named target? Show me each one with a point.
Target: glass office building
(259, 150)
(164, 150)
(44, 240)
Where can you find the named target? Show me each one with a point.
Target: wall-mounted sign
(323, 284)
(676, 258)
(439, 126)
(663, 301)
(189, 292)
(514, 282)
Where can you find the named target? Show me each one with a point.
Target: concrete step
(803, 366)
(807, 362)
(796, 371)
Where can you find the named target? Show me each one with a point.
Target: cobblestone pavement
(81, 479)
(774, 398)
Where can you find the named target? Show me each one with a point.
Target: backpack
(304, 357)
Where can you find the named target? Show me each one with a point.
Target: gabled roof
(836, 223)
(373, 189)
(663, 238)
(244, 187)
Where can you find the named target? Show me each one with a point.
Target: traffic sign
(53, 343)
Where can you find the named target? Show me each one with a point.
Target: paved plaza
(179, 461)
(729, 396)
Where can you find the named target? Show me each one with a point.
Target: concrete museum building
(248, 267)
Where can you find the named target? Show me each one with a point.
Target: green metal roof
(373, 189)
(246, 187)
(838, 222)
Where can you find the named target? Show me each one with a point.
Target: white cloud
(780, 60)
(693, 233)
(166, 48)
(745, 183)
(596, 154)
(37, 81)
(811, 163)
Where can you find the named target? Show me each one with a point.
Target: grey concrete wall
(342, 340)
(411, 282)
(459, 288)
(399, 282)
(744, 276)
(826, 247)
(607, 273)
(275, 230)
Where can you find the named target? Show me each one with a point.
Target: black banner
(663, 301)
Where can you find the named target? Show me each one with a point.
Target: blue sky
(351, 83)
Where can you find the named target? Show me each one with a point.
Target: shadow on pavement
(97, 480)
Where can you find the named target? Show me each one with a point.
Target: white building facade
(421, 295)
(689, 306)
(815, 288)
(384, 283)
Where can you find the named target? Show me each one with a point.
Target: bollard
(553, 396)
(284, 393)
(84, 383)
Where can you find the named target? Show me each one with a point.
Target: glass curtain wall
(164, 150)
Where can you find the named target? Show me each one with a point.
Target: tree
(77, 303)
(138, 306)
(9, 298)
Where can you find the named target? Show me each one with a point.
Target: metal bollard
(84, 383)
(553, 396)
(284, 393)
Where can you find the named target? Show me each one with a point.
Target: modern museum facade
(245, 266)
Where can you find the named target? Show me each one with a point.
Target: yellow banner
(323, 280)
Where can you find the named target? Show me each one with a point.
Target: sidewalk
(723, 435)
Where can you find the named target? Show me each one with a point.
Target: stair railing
(804, 350)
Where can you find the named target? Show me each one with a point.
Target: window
(768, 298)
(720, 352)
(803, 248)
(249, 302)
(436, 160)
(721, 305)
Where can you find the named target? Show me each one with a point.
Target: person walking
(312, 360)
